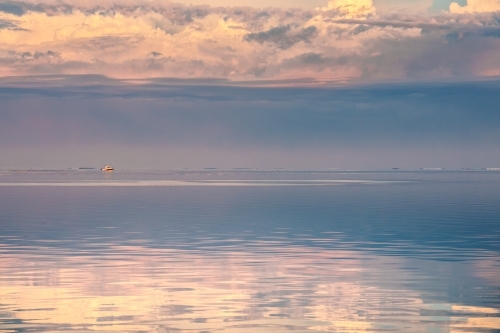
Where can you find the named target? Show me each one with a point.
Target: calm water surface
(249, 252)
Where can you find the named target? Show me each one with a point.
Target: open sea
(240, 251)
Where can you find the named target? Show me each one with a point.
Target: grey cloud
(395, 24)
(319, 62)
(20, 8)
(361, 28)
(14, 56)
(176, 13)
(39, 55)
(453, 29)
(262, 15)
(307, 59)
(257, 71)
(11, 8)
(284, 36)
(10, 25)
(106, 43)
(182, 15)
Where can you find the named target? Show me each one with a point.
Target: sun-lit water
(249, 251)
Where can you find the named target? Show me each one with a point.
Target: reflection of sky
(368, 209)
(134, 288)
(407, 251)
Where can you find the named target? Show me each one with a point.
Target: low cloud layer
(55, 121)
(345, 40)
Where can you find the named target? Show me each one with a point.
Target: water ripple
(412, 253)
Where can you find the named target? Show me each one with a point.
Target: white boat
(107, 168)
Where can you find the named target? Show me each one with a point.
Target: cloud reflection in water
(132, 288)
(392, 251)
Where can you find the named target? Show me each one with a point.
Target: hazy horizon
(91, 121)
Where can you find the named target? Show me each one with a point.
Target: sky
(339, 40)
(294, 84)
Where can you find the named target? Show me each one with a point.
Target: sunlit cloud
(476, 6)
(351, 8)
(344, 40)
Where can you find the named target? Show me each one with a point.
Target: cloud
(9, 25)
(351, 8)
(476, 6)
(11, 8)
(346, 40)
(282, 36)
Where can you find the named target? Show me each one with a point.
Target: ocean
(250, 251)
